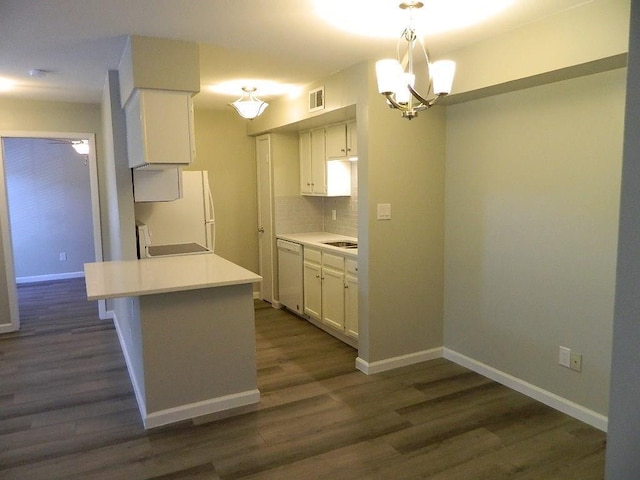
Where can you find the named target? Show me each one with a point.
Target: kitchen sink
(342, 244)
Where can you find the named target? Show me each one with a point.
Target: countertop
(316, 239)
(149, 276)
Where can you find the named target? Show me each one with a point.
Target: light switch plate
(384, 211)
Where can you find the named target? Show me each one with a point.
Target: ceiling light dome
(249, 106)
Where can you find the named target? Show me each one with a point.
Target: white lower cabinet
(351, 298)
(312, 272)
(331, 290)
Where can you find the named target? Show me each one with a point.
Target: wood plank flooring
(67, 411)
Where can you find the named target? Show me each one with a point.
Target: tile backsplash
(301, 214)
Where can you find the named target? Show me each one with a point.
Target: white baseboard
(371, 368)
(206, 407)
(561, 404)
(49, 277)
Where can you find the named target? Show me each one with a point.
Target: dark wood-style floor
(67, 411)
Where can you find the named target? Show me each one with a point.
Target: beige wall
(586, 39)
(403, 165)
(224, 149)
(31, 115)
(532, 187)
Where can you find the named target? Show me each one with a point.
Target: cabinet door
(160, 128)
(305, 164)
(352, 139)
(351, 306)
(333, 298)
(318, 163)
(336, 141)
(312, 290)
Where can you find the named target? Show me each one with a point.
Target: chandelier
(249, 106)
(396, 77)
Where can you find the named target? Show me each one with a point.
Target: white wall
(532, 195)
(50, 208)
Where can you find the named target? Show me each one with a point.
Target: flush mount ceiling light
(249, 106)
(6, 84)
(81, 146)
(397, 78)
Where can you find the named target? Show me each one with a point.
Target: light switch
(384, 211)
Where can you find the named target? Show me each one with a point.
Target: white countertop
(162, 275)
(316, 239)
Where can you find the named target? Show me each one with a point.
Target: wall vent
(316, 99)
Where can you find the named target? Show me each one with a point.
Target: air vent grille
(316, 99)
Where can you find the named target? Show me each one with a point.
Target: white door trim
(4, 216)
(266, 244)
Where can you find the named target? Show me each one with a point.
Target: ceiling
(77, 41)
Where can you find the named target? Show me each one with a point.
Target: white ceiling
(77, 41)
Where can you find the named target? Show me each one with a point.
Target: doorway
(40, 196)
(265, 218)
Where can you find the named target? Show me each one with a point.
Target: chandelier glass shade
(397, 77)
(249, 106)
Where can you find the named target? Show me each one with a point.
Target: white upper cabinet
(160, 129)
(320, 174)
(352, 140)
(336, 140)
(313, 174)
(342, 141)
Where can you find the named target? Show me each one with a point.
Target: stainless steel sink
(342, 244)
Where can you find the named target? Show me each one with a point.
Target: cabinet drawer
(311, 255)
(333, 261)
(351, 266)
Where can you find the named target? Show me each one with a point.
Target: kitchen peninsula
(190, 349)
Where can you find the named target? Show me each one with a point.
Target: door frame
(265, 201)
(6, 227)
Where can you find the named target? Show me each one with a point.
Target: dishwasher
(290, 274)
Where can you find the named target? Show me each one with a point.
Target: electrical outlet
(576, 361)
(334, 215)
(564, 357)
(63, 256)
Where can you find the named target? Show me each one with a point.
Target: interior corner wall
(401, 163)
(116, 193)
(224, 149)
(532, 199)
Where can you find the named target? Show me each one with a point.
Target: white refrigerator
(186, 221)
